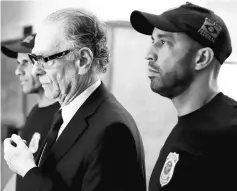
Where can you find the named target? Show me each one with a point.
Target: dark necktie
(53, 133)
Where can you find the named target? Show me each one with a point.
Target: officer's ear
(204, 57)
(84, 63)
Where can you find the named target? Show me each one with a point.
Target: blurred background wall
(127, 74)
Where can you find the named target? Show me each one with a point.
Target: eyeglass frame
(34, 58)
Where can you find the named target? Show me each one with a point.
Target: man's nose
(151, 56)
(19, 71)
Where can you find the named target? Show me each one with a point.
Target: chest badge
(34, 143)
(168, 168)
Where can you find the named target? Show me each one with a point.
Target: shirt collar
(68, 111)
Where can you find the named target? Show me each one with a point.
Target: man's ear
(85, 60)
(203, 58)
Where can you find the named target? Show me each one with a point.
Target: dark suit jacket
(99, 150)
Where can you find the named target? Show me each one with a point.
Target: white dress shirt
(68, 111)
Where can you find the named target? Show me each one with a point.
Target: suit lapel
(77, 125)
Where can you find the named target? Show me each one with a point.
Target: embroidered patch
(28, 39)
(168, 168)
(210, 29)
(34, 143)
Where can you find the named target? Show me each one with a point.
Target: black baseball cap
(24, 46)
(199, 23)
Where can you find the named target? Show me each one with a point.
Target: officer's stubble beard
(179, 79)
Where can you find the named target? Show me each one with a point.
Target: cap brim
(145, 22)
(8, 52)
(13, 49)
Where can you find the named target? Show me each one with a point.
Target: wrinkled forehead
(173, 36)
(179, 38)
(49, 38)
(22, 56)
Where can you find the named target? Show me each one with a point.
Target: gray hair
(85, 30)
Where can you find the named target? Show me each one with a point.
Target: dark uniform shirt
(200, 154)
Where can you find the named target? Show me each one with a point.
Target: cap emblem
(210, 30)
(28, 39)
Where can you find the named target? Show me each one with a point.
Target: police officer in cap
(188, 46)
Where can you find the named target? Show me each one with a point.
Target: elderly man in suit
(94, 143)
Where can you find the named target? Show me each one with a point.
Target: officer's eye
(161, 43)
(24, 62)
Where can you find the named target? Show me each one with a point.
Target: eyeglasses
(43, 61)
